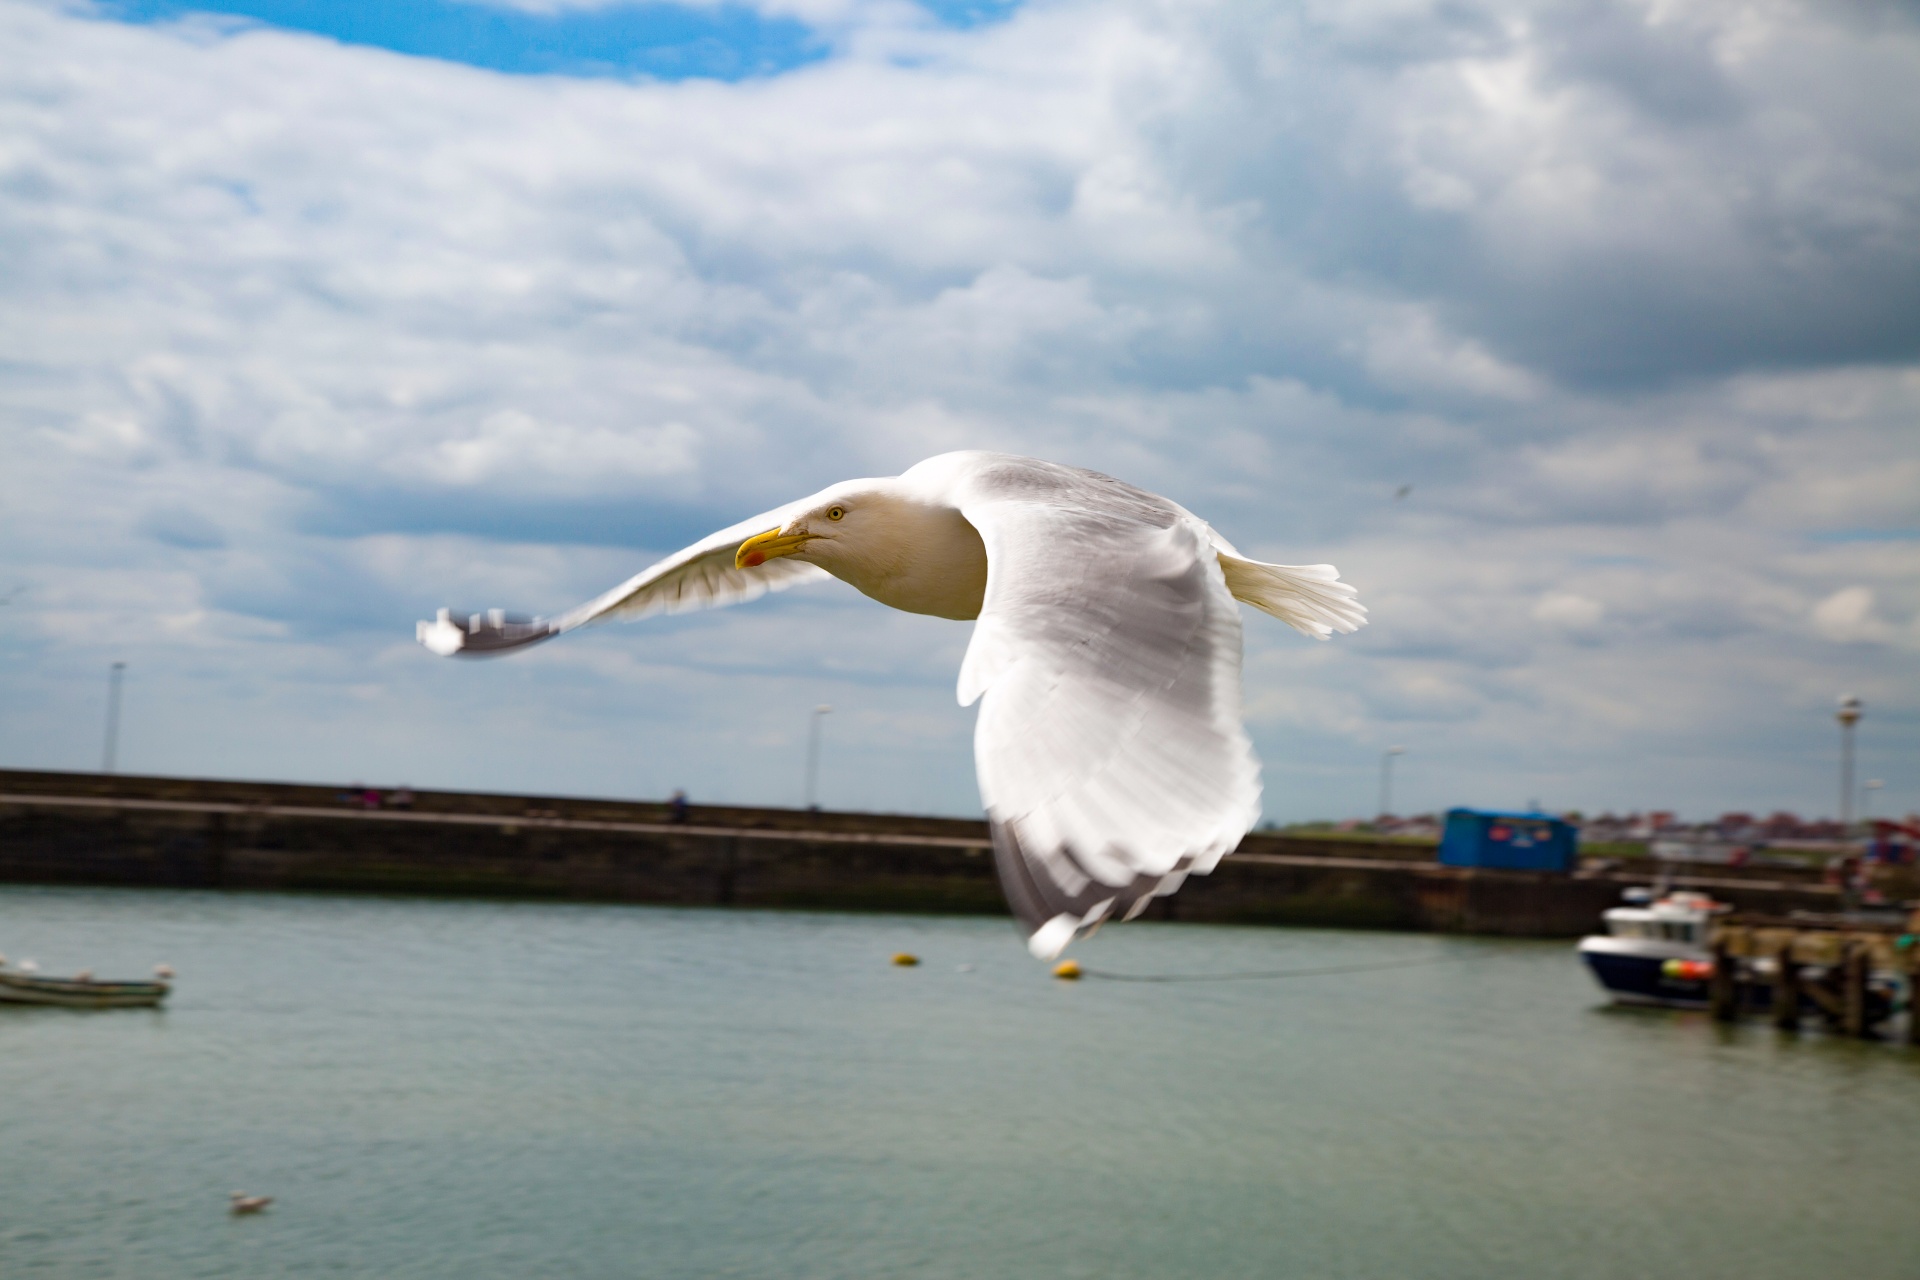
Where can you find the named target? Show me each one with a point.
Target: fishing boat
(1655, 949)
(17, 987)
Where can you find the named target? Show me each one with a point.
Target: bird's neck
(930, 560)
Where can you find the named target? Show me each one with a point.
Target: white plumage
(1106, 656)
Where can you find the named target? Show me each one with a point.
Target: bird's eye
(834, 513)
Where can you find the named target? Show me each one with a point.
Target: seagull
(241, 1202)
(1105, 656)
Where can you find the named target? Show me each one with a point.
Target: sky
(317, 316)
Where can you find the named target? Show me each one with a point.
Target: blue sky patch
(667, 42)
(967, 14)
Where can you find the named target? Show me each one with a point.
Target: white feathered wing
(1111, 757)
(702, 576)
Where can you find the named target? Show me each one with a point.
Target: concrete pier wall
(63, 828)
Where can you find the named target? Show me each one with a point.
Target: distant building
(1420, 826)
(1735, 826)
(1780, 825)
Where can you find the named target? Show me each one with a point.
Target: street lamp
(813, 755)
(1386, 778)
(1848, 716)
(108, 757)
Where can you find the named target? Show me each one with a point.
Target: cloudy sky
(315, 316)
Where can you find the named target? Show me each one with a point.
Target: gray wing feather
(702, 576)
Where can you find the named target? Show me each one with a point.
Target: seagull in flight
(1105, 656)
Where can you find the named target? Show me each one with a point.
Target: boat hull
(72, 993)
(1634, 972)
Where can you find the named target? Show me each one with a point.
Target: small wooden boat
(78, 993)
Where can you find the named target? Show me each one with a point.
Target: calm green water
(458, 1089)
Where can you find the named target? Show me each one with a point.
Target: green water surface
(473, 1089)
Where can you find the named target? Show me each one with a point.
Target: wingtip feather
(1051, 938)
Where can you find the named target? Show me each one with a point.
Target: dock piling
(1786, 988)
(1723, 989)
(1854, 990)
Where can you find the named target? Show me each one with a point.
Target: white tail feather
(1310, 598)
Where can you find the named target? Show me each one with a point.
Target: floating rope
(1324, 971)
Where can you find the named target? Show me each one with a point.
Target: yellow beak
(771, 545)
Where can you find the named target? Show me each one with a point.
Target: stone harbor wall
(68, 828)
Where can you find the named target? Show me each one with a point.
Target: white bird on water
(1105, 656)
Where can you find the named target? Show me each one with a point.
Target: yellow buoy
(903, 957)
(1067, 969)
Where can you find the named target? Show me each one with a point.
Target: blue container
(1510, 841)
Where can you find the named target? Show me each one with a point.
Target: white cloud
(510, 447)
(1570, 613)
(305, 339)
(1847, 617)
(1411, 353)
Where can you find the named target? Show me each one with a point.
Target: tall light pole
(110, 756)
(1848, 716)
(1386, 778)
(813, 755)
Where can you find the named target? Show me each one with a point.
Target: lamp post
(813, 755)
(109, 757)
(1386, 778)
(1848, 716)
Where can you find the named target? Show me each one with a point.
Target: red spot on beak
(756, 558)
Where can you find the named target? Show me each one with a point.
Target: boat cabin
(1678, 917)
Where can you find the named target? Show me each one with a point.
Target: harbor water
(485, 1089)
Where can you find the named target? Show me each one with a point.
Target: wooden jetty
(1852, 972)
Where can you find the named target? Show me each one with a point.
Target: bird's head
(898, 540)
(845, 529)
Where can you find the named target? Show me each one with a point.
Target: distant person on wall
(401, 799)
(677, 806)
